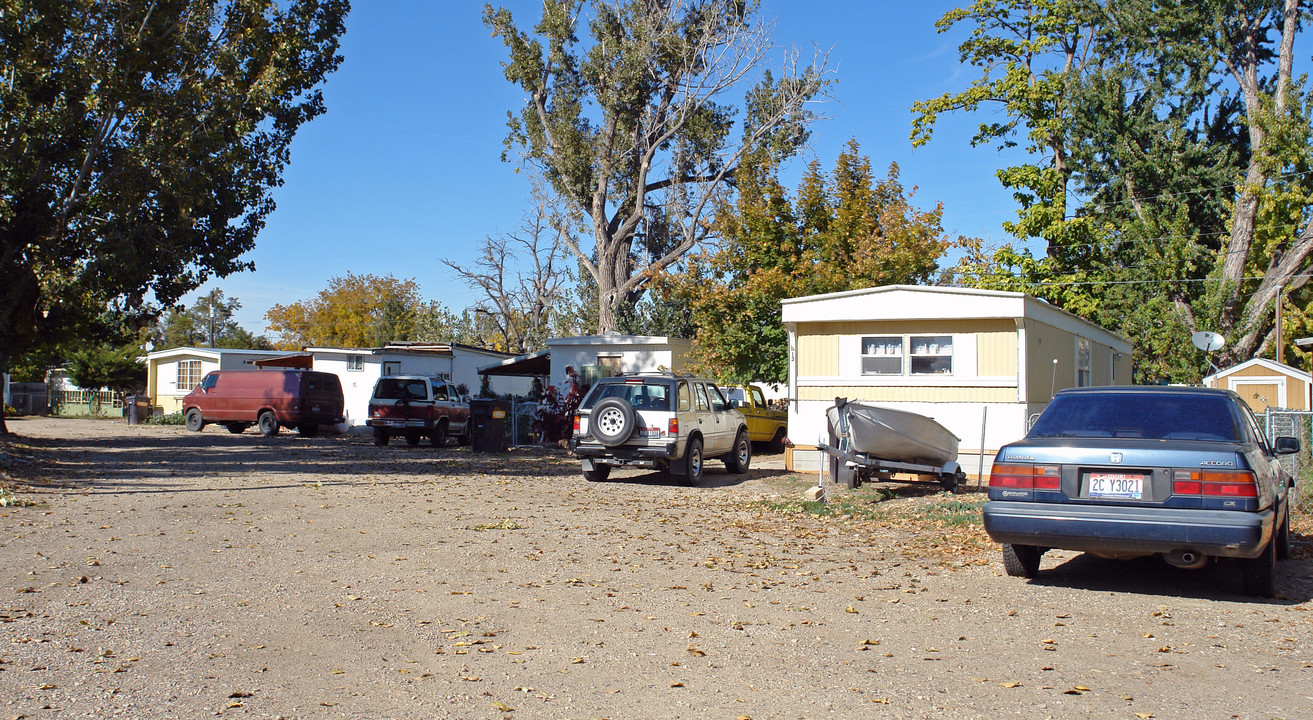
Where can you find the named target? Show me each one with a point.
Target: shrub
(173, 418)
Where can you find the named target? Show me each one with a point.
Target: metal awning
(302, 361)
(538, 364)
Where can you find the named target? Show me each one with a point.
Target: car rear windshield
(402, 389)
(642, 395)
(1158, 416)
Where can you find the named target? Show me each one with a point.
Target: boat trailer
(851, 468)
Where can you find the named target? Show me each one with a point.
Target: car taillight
(672, 429)
(1025, 477)
(576, 424)
(1215, 483)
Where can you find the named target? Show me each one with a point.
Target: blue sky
(404, 169)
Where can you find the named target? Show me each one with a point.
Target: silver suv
(665, 421)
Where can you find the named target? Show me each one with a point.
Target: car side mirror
(733, 404)
(1287, 445)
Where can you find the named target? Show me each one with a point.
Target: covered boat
(890, 434)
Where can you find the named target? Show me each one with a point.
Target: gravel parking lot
(166, 574)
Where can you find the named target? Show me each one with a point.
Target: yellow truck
(765, 424)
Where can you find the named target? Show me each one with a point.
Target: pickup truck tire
(268, 423)
(381, 437)
(738, 460)
(438, 437)
(194, 420)
(612, 421)
(777, 442)
(412, 437)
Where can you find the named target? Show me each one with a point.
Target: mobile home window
(882, 355)
(932, 354)
(1083, 362)
(189, 374)
(355, 363)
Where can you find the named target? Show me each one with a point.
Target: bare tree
(521, 276)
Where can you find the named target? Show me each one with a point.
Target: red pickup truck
(417, 406)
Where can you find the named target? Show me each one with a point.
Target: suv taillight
(672, 429)
(576, 424)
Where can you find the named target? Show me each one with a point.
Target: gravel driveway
(168, 574)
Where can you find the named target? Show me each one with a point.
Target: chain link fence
(520, 431)
(1297, 424)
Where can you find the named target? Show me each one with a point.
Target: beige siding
(818, 355)
(911, 394)
(996, 352)
(1043, 344)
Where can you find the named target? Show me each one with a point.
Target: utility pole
(1281, 350)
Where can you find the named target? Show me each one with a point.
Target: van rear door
(321, 393)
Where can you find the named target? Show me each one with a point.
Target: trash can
(488, 425)
(137, 408)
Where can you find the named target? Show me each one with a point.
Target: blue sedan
(1184, 473)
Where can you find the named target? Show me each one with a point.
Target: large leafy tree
(353, 311)
(1165, 142)
(106, 366)
(847, 229)
(632, 127)
(139, 143)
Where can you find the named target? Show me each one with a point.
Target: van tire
(194, 420)
(236, 428)
(381, 437)
(268, 423)
(308, 429)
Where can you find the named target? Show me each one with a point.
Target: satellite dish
(1208, 341)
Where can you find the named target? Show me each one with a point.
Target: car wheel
(777, 442)
(741, 457)
(1022, 560)
(236, 428)
(381, 437)
(268, 423)
(438, 437)
(1283, 534)
(599, 473)
(194, 420)
(308, 429)
(693, 460)
(1260, 573)
(612, 421)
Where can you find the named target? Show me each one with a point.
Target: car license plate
(397, 423)
(1117, 486)
(650, 433)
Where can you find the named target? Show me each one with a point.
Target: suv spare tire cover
(612, 421)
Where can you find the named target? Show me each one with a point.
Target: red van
(269, 399)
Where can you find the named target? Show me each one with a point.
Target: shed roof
(1272, 365)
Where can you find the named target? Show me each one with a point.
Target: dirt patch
(168, 574)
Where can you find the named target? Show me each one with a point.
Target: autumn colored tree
(632, 127)
(353, 311)
(846, 230)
